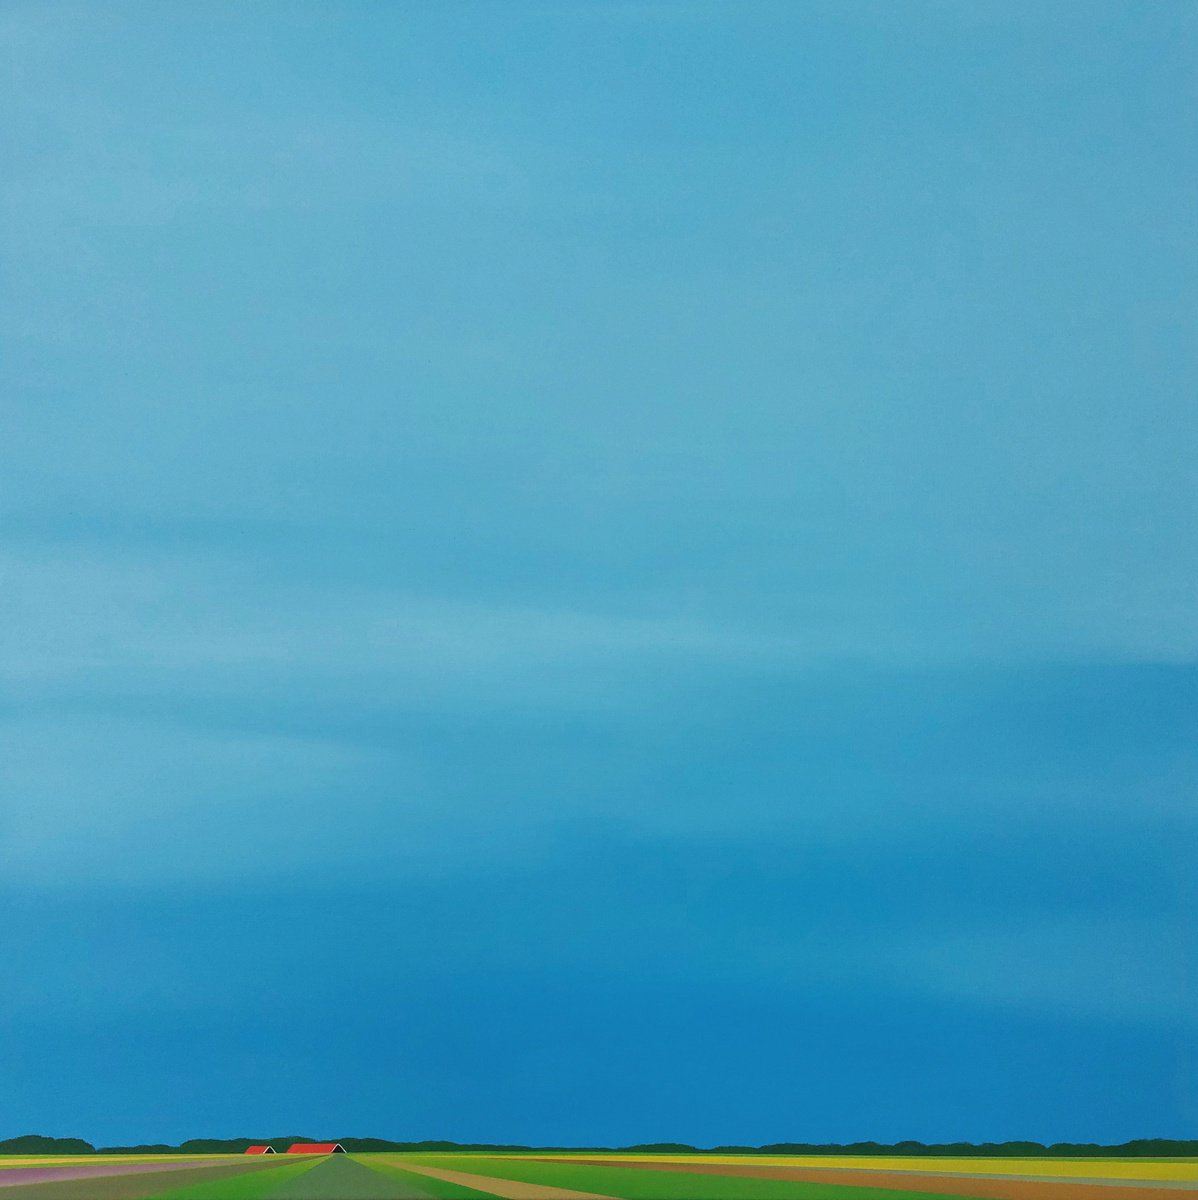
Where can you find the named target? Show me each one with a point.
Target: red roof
(260, 1150)
(316, 1148)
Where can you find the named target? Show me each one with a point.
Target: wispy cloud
(83, 616)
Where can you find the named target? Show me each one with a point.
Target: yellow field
(1165, 1170)
(64, 1160)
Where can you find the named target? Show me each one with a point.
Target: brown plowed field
(987, 1188)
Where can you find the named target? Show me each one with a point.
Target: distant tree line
(33, 1143)
(1139, 1148)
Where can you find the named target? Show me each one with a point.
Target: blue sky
(581, 572)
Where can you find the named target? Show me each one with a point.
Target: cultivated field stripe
(340, 1178)
(1074, 1168)
(424, 1186)
(1086, 1180)
(127, 1186)
(510, 1189)
(248, 1185)
(67, 1160)
(616, 1181)
(15, 1176)
(986, 1187)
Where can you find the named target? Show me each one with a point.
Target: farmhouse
(259, 1150)
(316, 1148)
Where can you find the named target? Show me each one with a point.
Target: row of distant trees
(1140, 1148)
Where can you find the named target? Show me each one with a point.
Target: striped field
(594, 1176)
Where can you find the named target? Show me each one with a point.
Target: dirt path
(986, 1187)
(510, 1189)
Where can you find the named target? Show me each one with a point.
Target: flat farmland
(762, 1177)
(544, 1176)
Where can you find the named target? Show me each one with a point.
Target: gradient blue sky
(594, 572)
